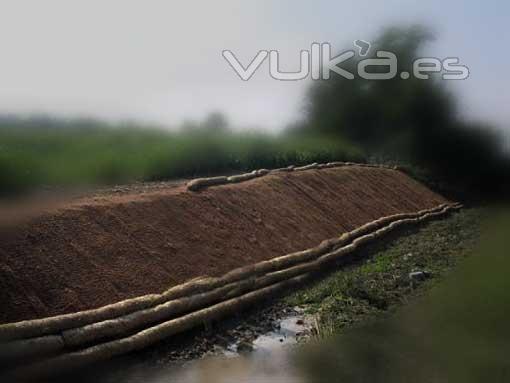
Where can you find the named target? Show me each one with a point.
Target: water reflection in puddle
(268, 358)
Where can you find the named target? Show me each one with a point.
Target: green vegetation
(381, 279)
(44, 152)
(411, 121)
(457, 331)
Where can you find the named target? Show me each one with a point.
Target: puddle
(267, 358)
(289, 331)
(246, 356)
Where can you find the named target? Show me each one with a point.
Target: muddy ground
(374, 284)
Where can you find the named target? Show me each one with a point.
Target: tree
(216, 122)
(411, 120)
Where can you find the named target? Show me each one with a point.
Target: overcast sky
(161, 60)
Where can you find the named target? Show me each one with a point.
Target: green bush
(36, 153)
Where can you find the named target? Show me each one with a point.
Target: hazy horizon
(161, 63)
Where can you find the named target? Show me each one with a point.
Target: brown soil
(102, 249)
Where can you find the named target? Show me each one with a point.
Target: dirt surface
(111, 246)
(370, 287)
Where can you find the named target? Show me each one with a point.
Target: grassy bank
(456, 331)
(86, 153)
(380, 280)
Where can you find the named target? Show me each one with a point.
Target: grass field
(76, 154)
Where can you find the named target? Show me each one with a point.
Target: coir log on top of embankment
(97, 252)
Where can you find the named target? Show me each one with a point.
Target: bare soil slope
(96, 251)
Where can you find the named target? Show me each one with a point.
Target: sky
(161, 61)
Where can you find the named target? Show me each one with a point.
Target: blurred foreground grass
(82, 153)
(457, 332)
